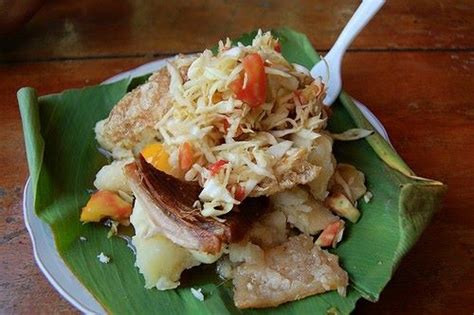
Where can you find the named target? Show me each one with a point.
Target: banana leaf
(63, 160)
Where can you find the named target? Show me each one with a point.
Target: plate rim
(58, 285)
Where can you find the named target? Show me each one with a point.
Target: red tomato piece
(278, 47)
(239, 193)
(226, 125)
(329, 234)
(216, 167)
(236, 86)
(255, 91)
(186, 156)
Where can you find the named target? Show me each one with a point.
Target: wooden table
(413, 66)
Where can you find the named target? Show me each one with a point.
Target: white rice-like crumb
(103, 258)
(368, 196)
(82, 238)
(197, 294)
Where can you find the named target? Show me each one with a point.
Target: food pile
(224, 158)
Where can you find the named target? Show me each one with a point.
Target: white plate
(45, 253)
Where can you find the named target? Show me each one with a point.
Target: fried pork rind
(169, 204)
(131, 123)
(289, 272)
(132, 120)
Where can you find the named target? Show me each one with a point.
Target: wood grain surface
(413, 66)
(78, 29)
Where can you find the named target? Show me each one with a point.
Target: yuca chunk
(291, 271)
(302, 210)
(132, 120)
(349, 181)
(321, 155)
(111, 177)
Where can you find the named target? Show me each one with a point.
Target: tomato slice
(239, 193)
(329, 234)
(255, 91)
(216, 167)
(225, 124)
(186, 156)
(278, 47)
(222, 124)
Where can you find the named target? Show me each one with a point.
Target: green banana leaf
(63, 160)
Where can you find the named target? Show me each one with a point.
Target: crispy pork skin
(169, 205)
(292, 271)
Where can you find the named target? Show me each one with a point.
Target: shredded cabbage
(206, 114)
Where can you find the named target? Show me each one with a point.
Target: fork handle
(364, 13)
